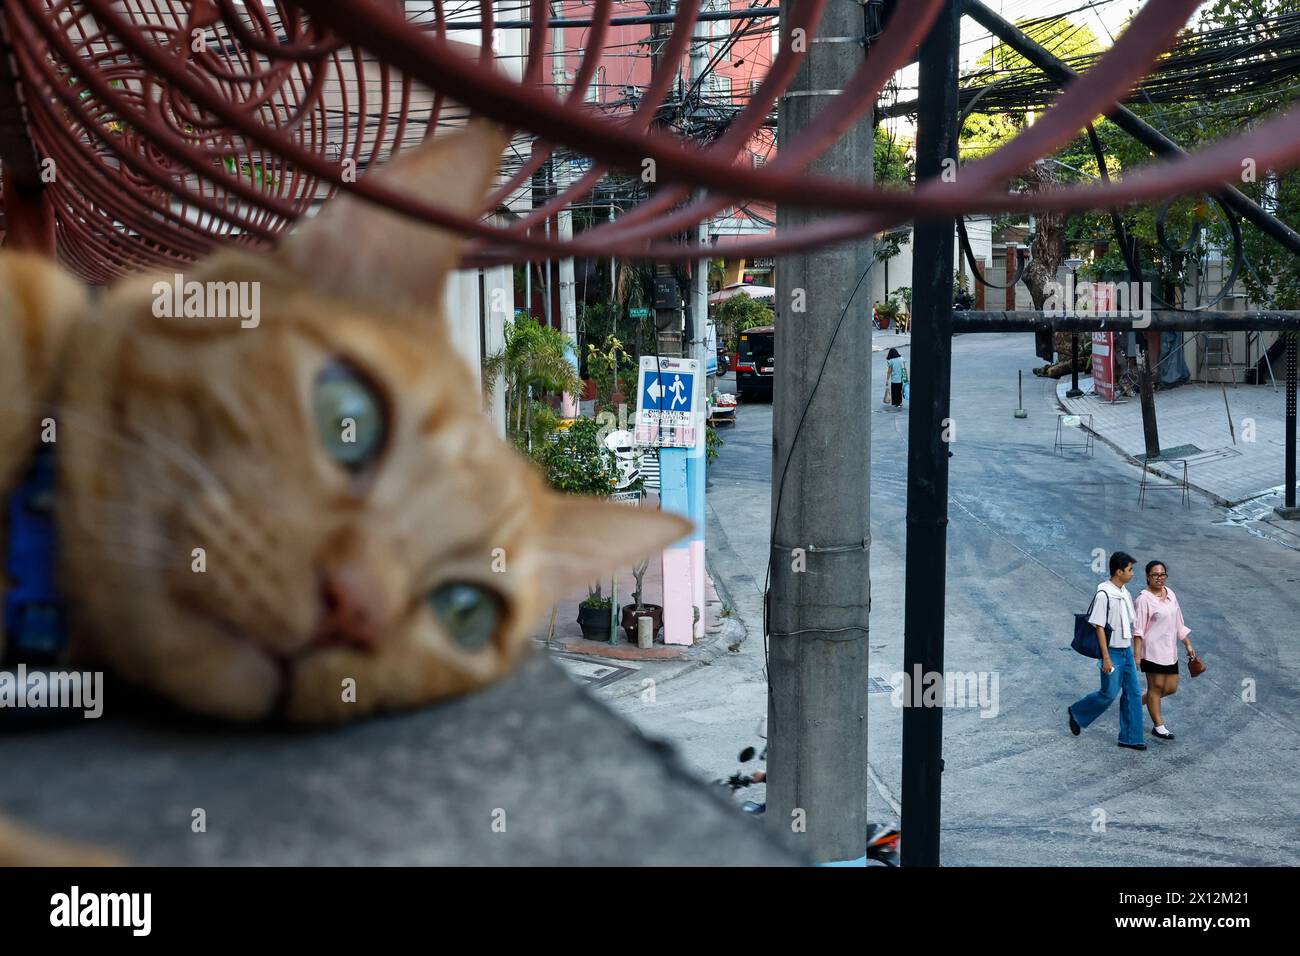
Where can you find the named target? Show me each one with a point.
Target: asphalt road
(1025, 528)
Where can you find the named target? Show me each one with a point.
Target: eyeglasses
(1159, 574)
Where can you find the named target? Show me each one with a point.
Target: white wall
(1247, 349)
(476, 320)
(887, 277)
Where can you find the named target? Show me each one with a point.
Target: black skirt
(1150, 667)
(896, 392)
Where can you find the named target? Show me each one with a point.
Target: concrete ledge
(566, 781)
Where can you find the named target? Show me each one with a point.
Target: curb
(731, 625)
(896, 345)
(1155, 469)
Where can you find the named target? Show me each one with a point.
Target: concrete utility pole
(696, 462)
(820, 588)
(668, 299)
(930, 434)
(564, 218)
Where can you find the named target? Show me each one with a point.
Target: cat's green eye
(470, 614)
(349, 416)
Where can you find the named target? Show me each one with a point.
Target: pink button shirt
(1160, 622)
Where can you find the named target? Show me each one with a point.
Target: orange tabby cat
(307, 514)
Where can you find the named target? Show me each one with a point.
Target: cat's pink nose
(349, 614)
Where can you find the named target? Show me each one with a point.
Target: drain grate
(1177, 453)
(878, 685)
(593, 673)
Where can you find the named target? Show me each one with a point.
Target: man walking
(1112, 616)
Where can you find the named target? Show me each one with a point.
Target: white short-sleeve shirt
(1120, 611)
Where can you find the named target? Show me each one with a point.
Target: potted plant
(886, 314)
(576, 461)
(639, 609)
(594, 614)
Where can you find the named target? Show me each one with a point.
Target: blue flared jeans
(1123, 683)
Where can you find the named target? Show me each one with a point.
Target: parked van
(754, 362)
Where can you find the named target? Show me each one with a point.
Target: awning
(759, 292)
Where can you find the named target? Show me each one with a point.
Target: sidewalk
(606, 668)
(1194, 425)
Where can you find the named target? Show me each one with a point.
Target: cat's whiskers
(126, 527)
(143, 438)
(208, 517)
(127, 545)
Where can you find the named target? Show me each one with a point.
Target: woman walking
(1160, 622)
(897, 371)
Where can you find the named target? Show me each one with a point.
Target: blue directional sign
(670, 406)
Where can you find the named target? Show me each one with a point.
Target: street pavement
(1027, 527)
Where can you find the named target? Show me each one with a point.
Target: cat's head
(313, 515)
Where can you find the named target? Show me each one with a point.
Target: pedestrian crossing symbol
(669, 405)
(670, 391)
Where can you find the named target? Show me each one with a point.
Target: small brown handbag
(1195, 666)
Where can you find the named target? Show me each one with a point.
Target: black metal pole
(930, 433)
(1147, 380)
(1290, 425)
(1074, 391)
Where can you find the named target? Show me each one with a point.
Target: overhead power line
(750, 13)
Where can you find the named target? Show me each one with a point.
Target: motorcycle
(882, 839)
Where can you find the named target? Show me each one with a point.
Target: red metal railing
(176, 125)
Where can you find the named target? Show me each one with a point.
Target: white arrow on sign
(656, 390)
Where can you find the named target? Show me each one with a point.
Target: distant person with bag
(1160, 622)
(897, 377)
(1113, 618)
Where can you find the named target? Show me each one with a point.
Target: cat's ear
(39, 303)
(587, 538)
(356, 249)
(37, 291)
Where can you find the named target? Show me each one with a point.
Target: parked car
(755, 361)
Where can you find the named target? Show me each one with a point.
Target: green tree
(1274, 277)
(892, 163)
(738, 313)
(534, 362)
(893, 166)
(984, 132)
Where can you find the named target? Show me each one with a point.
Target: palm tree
(533, 362)
(717, 274)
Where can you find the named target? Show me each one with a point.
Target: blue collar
(34, 618)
